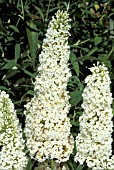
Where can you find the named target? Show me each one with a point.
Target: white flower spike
(12, 156)
(94, 142)
(47, 125)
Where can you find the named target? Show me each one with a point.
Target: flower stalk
(52, 164)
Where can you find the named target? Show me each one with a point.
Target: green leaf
(74, 123)
(87, 58)
(102, 57)
(33, 42)
(17, 51)
(76, 97)
(20, 81)
(30, 164)
(53, 9)
(14, 28)
(10, 73)
(9, 65)
(97, 40)
(39, 24)
(93, 50)
(74, 62)
(74, 134)
(79, 113)
(84, 49)
(3, 88)
(1, 1)
(10, 38)
(40, 12)
(80, 167)
(71, 165)
(30, 92)
(113, 112)
(74, 150)
(28, 73)
(75, 93)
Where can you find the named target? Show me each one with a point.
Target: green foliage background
(23, 25)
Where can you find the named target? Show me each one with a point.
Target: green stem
(110, 53)
(52, 164)
(47, 11)
(22, 8)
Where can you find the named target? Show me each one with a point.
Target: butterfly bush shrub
(47, 125)
(12, 155)
(94, 142)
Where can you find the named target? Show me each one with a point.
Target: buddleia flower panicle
(12, 156)
(94, 142)
(47, 125)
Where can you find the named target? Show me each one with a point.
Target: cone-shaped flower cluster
(46, 165)
(47, 125)
(94, 140)
(12, 156)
